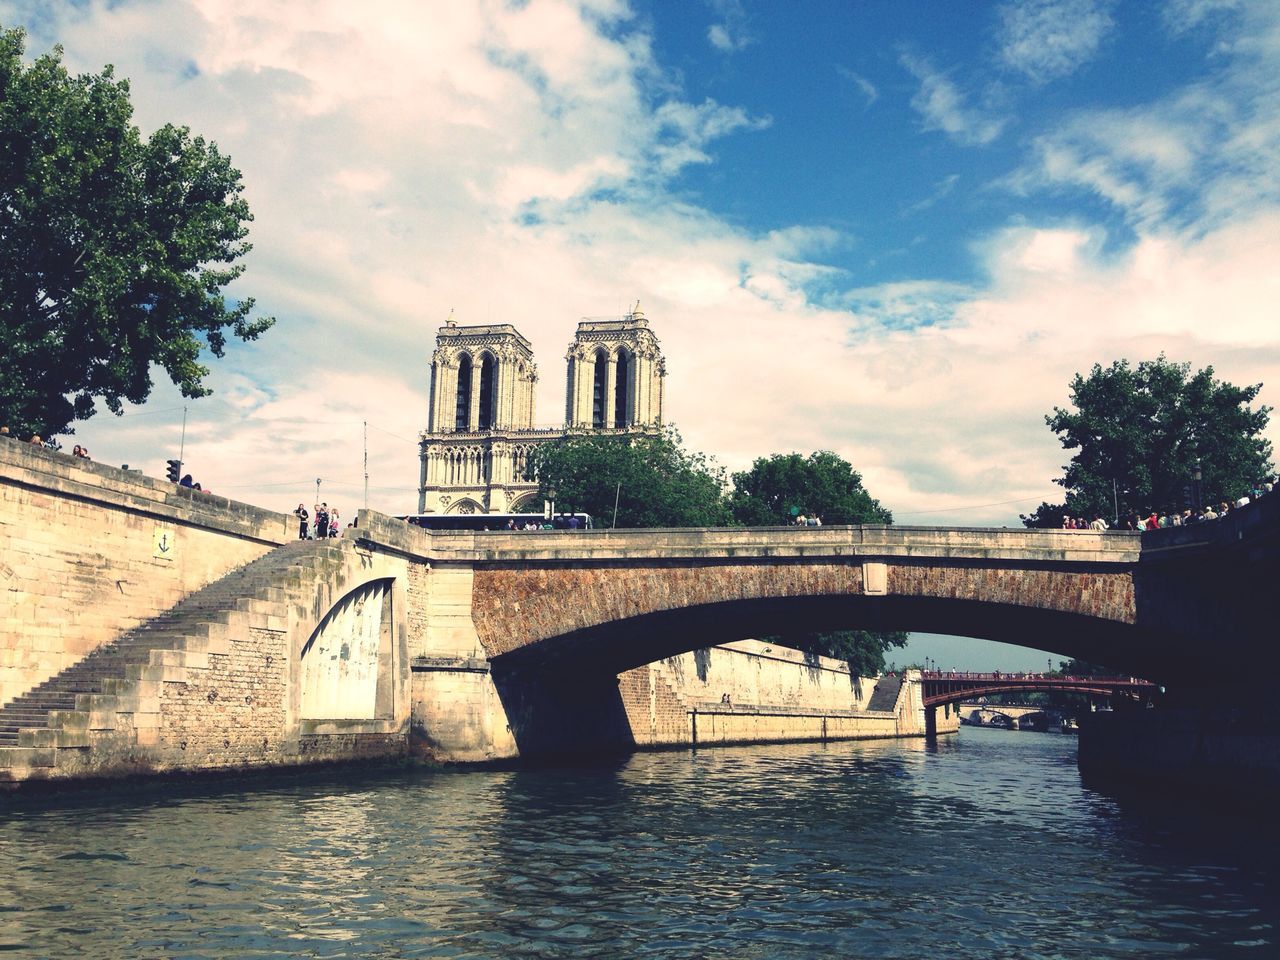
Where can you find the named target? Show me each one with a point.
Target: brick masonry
(519, 606)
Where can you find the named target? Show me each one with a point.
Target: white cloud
(1204, 155)
(1048, 39)
(731, 34)
(943, 107)
(940, 190)
(865, 86)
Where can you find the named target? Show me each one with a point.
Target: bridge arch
(347, 642)
(617, 645)
(345, 663)
(613, 617)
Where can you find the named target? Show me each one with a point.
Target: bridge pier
(1230, 753)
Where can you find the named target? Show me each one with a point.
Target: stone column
(448, 397)
(610, 389)
(422, 479)
(473, 415)
(640, 396)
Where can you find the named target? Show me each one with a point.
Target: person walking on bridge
(303, 517)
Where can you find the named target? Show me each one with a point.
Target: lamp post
(1196, 477)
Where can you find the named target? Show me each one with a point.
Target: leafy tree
(114, 248)
(776, 488)
(1144, 429)
(779, 487)
(863, 650)
(656, 482)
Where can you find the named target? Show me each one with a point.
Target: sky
(892, 230)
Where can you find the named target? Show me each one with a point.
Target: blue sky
(894, 230)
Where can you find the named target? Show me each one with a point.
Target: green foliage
(662, 484)
(778, 487)
(114, 249)
(1144, 429)
(863, 650)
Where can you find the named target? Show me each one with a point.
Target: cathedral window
(621, 390)
(463, 410)
(600, 389)
(487, 370)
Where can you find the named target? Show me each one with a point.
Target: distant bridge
(953, 686)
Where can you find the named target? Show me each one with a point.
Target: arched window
(463, 410)
(621, 390)
(487, 393)
(600, 389)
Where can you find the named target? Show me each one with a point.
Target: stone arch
(359, 597)
(523, 503)
(462, 407)
(486, 418)
(623, 644)
(633, 614)
(599, 387)
(342, 662)
(623, 388)
(465, 506)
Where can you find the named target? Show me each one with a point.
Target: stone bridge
(148, 628)
(1147, 605)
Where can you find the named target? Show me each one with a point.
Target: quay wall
(753, 692)
(91, 551)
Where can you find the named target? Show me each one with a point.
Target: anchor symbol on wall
(163, 545)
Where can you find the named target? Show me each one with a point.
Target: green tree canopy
(657, 483)
(776, 488)
(1144, 429)
(779, 487)
(114, 248)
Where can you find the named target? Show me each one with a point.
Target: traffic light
(174, 470)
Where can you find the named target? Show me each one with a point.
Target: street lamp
(1196, 477)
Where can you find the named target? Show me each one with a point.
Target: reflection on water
(985, 845)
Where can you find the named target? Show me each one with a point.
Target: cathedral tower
(482, 378)
(475, 453)
(615, 375)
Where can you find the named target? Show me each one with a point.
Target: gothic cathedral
(481, 424)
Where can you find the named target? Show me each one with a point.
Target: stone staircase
(116, 678)
(885, 695)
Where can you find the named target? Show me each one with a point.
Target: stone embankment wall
(753, 692)
(92, 551)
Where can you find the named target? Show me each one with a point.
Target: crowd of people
(561, 521)
(321, 525)
(1157, 520)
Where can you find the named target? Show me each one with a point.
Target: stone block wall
(774, 694)
(231, 713)
(91, 551)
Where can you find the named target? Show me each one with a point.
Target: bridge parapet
(869, 541)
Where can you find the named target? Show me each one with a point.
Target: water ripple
(983, 846)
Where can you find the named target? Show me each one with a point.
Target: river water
(985, 845)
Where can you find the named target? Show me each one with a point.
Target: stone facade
(482, 423)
